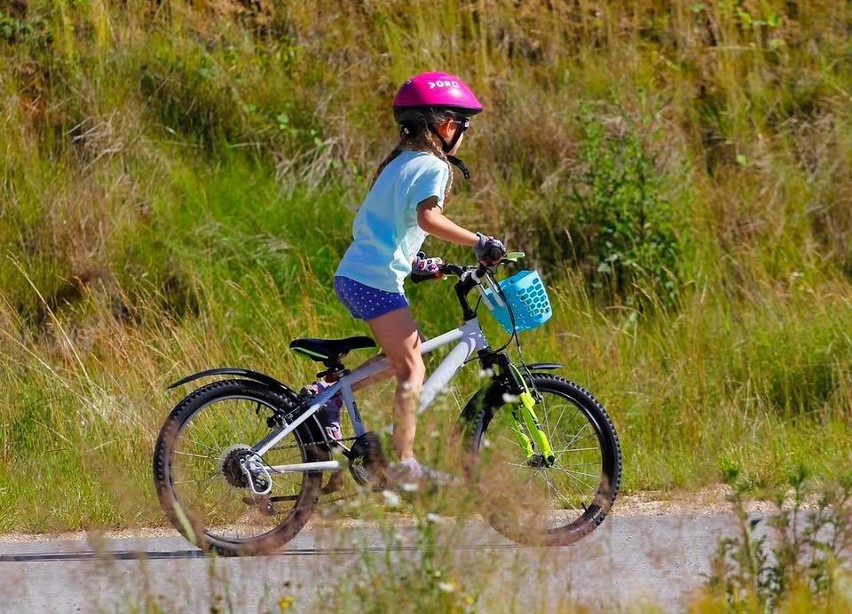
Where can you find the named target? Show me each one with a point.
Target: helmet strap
(448, 147)
(445, 147)
(462, 166)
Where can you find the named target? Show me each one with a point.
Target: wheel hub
(538, 461)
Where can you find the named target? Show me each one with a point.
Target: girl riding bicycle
(405, 204)
(238, 465)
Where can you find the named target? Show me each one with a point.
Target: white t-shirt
(385, 231)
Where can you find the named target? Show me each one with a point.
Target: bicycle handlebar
(456, 270)
(480, 269)
(470, 277)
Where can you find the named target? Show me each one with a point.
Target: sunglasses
(464, 123)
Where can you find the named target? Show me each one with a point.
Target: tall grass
(174, 191)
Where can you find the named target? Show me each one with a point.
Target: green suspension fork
(525, 418)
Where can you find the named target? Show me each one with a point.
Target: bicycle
(239, 464)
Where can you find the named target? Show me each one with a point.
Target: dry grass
(173, 198)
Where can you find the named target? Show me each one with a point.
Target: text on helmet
(434, 84)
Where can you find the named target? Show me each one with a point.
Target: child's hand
(424, 268)
(489, 251)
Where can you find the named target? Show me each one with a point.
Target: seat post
(335, 371)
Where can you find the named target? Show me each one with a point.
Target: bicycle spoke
(555, 428)
(541, 499)
(195, 481)
(577, 435)
(215, 452)
(572, 451)
(194, 455)
(572, 475)
(198, 480)
(209, 432)
(547, 479)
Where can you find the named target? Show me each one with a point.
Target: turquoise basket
(526, 296)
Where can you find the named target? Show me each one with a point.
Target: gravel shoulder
(710, 501)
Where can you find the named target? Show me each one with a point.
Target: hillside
(177, 183)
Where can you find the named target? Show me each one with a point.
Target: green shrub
(18, 30)
(618, 228)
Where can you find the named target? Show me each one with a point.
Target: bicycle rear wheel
(530, 501)
(199, 480)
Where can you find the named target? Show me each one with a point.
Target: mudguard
(253, 375)
(314, 432)
(491, 394)
(545, 366)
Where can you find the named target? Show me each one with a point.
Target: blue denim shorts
(364, 302)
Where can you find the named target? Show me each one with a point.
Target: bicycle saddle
(330, 350)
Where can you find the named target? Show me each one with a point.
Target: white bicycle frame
(469, 338)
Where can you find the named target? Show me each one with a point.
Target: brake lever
(514, 257)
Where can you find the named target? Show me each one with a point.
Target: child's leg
(397, 333)
(381, 375)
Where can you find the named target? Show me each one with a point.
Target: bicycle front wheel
(535, 501)
(200, 481)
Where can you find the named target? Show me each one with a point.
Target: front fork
(527, 428)
(524, 415)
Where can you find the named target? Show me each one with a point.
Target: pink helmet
(438, 90)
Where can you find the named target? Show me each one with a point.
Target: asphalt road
(629, 563)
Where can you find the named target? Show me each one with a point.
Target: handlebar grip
(495, 254)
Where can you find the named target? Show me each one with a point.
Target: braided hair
(417, 134)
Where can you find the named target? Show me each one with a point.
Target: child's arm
(431, 218)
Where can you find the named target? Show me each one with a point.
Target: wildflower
(391, 498)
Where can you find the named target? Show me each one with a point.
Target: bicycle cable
(511, 312)
(514, 333)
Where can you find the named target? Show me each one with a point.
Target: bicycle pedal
(335, 483)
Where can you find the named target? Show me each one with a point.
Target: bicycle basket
(527, 297)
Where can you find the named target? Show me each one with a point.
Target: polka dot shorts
(364, 302)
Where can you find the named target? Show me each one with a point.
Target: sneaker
(329, 414)
(408, 474)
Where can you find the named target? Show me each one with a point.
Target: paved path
(628, 562)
